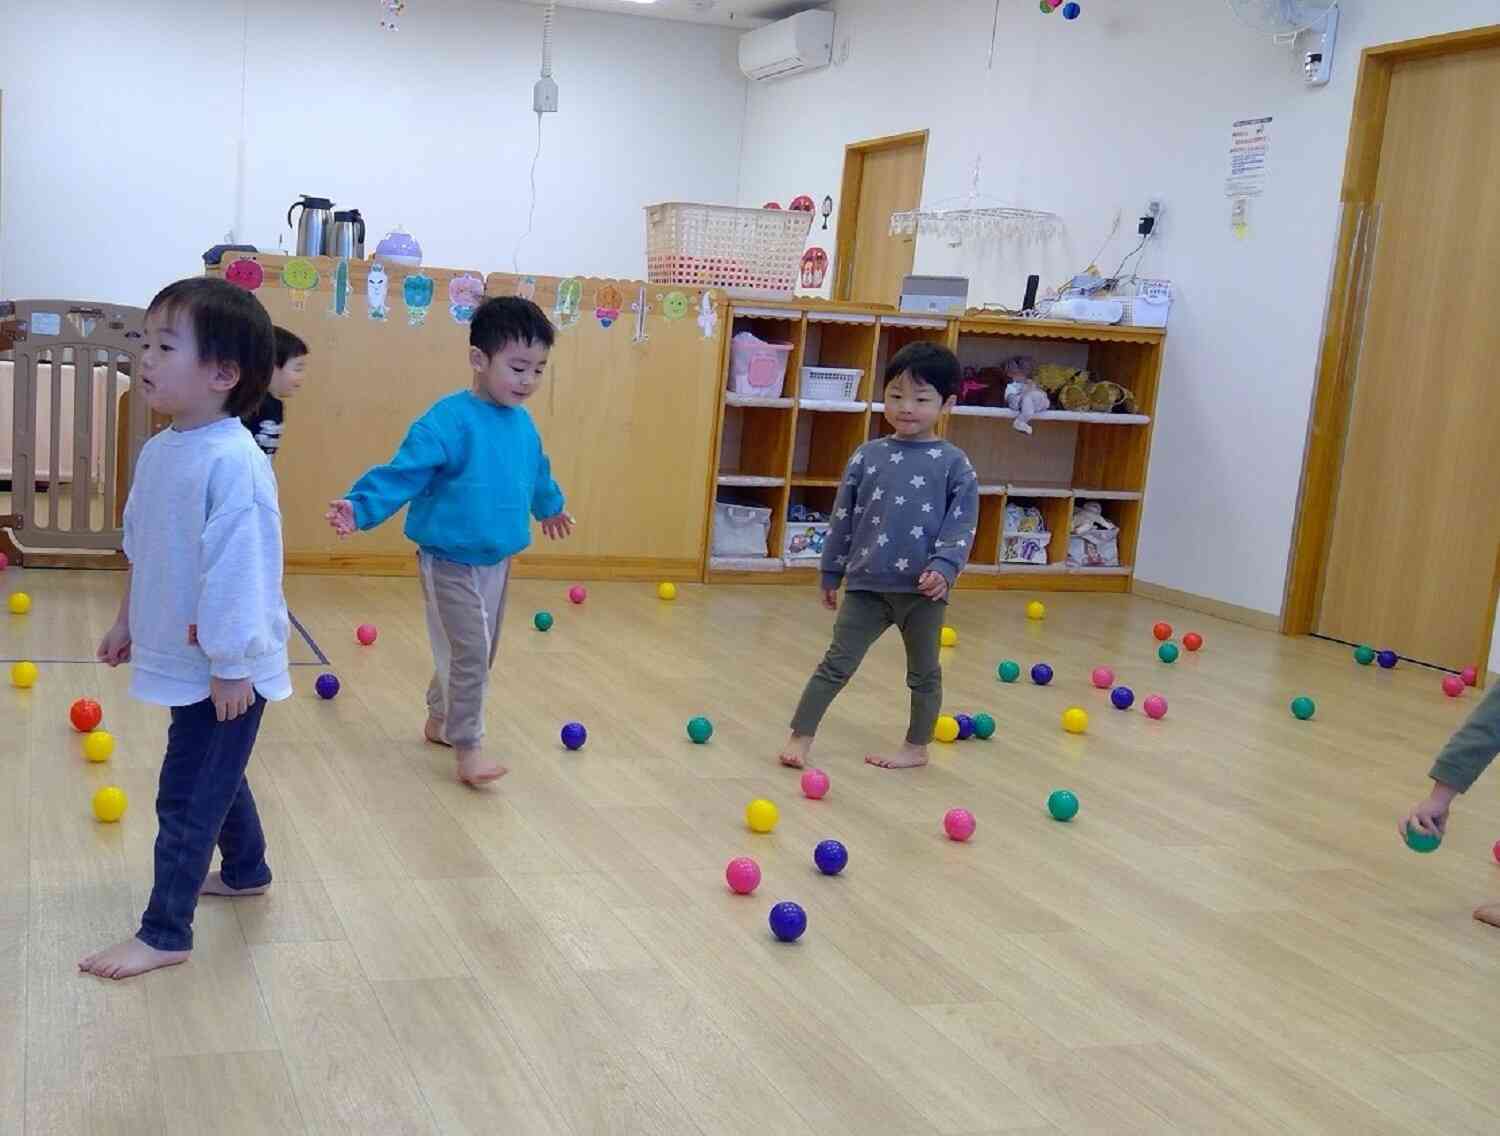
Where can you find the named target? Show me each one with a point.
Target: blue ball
(574, 735)
(830, 856)
(788, 921)
(1071, 11)
(1041, 674)
(326, 686)
(1388, 659)
(1122, 697)
(965, 726)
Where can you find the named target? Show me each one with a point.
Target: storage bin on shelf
(740, 530)
(803, 543)
(1094, 541)
(757, 368)
(1024, 539)
(750, 253)
(830, 384)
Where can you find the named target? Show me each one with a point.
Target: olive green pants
(863, 618)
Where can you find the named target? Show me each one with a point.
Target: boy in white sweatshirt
(203, 620)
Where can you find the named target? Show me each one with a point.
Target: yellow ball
(23, 674)
(20, 603)
(761, 815)
(946, 729)
(1075, 721)
(1036, 610)
(98, 745)
(109, 803)
(666, 590)
(949, 637)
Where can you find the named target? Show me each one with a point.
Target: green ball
(1009, 671)
(700, 729)
(542, 620)
(1419, 841)
(1364, 656)
(984, 726)
(1303, 707)
(1167, 652)
(1063, 805)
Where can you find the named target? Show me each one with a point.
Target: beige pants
(465, 603)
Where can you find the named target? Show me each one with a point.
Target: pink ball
(1470, 675)
(1103, 678)
(1155, 706)
(959, 824)
(814, 784)
(742, 875)
(1496, 850)
(366, 633)
(1453, 686)
(578, 593)
(4, 562)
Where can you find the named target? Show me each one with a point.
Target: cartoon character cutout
(340, 303)
(708, 316)
(300, 277)
(814, 267)
(245, 273)
(465, 294)
(417, 291)
(377, 287)
(569, 301)
(674, 305)
(607, 304)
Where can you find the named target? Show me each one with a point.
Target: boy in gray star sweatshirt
(903, 526)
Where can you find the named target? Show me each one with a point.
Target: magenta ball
(1103, 678)
(1496, 851)
(327, 686)
(578, 593)
(4, 562)
(1470, 675)
(366, 633)
(959, 824)
(1155, 706)
(742, 875)
(814, 784)
(1453, 686)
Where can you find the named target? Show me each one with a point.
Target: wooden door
(881, 177)
(1416, 532)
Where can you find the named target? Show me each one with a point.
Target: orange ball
(85, 714)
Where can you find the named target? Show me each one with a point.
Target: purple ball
(965, 726)
(788, 921)
(326, 686)
(1388, 659)
(830, 856)
(1122, 697)
(574, 735)
(1041, 674)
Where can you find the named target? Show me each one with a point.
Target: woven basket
(750, 253)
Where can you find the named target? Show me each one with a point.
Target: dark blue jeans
(203, 799)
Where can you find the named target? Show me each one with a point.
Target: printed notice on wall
(1249, 142)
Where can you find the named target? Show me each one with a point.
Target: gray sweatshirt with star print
(903, 507)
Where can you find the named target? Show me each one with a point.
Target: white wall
(122, 133)
(1133, 99)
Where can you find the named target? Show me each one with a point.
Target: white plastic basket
(750, 253)
(830, 384)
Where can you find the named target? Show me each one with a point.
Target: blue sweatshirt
(474, 472)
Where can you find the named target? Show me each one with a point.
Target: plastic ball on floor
(1167, 652)
(1009, 670)
(1122, 697)
(965, 726)
(1162, 631)
(788, 921)
(700, 729)
(959, 824)
(1453, 686)
(1155, 707)
(4, 562)
(98, 745)
(666, 590)
(1192, 641)
(814, 784)
(1419, 841)
(23, 675)
(1045, 6)
(984, 727)
(945, 729)
(1496, 851)
(1072, 10)
(742, 875)
(1364, 656)
(1303, 707)
(20, 603)
(1387, 659)
(1470, 676)
(85, 714)
(761, 815)
(327, 686)
(577, 594)
(1062, 804)
(1075, 720)
(948, 637)
(1102, 677)
(366, 633)
(1041, 674)
(542, 621)
(830, 856)
(574, 735)
(110, 803)
(1036, 609)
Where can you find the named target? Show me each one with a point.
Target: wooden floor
(1229, 938)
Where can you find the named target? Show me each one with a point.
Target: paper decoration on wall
(340, 304)
(300, 277)
(245, 273)
(390, 21)
(674, 305)
(814, 267)
(802, 204)
(465, 294)
(771, 205)
(827, 211)
(640, 308)
(708, 316)
(417, 291)
(377, 284)
(568, 308)
(607, 304)
(526, 287)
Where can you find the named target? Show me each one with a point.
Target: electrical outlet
(544, 96)
(1154, 207)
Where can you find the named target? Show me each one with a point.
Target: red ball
(1155, 707)
(1470, 675)
(578, 593)
(1192, 641)
(1103, 678)
(814, 784)
(86, 714)
(1163, 631)
(366, 633)
(1453, 686)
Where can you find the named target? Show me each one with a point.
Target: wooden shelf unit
(794, 449)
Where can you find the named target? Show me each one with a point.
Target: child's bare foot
(433, 732)
(907, 757)
(1489, 913)
(794, 753)
(132, 957)
(215, 885)
(475, 769)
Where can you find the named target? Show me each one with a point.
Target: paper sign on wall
(1249, 146)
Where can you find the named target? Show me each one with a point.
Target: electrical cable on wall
(543, 101)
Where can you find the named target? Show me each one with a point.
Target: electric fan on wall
(1286, 20)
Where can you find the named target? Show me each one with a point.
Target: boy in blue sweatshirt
(474, 471)
(903, 526)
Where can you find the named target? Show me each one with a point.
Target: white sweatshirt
(203, 536)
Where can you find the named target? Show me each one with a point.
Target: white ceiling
(727, 13)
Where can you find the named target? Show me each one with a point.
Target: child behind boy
(475, 472)
(203, 621)
(266, 420)
(1468, 754)
(903, 525)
